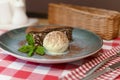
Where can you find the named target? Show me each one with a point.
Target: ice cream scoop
(56, 43)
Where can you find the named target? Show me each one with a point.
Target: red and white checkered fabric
(79, 73)
(12, 68)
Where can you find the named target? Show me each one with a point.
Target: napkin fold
(79, 72)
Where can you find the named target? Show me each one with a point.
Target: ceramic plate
(84, 44)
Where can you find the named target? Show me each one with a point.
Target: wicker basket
(105, 23)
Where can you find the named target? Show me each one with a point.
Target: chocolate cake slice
(39, 33)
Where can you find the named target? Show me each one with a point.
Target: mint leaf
(30, 39)
(31, 51)
(24, 49)
(27, 49)
(40, 50)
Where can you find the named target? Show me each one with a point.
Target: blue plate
(84, 44)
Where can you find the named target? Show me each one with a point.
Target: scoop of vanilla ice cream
(56, 43)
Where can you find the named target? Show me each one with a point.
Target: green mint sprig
(30, 40)
(40, 50)
(30, 49)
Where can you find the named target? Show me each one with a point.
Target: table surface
(12, 68)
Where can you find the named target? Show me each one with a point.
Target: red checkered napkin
(79, 73)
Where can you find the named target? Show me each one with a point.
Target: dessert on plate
(50, 40)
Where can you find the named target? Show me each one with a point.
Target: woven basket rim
(85, 12)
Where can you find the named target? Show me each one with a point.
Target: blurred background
(39, 8)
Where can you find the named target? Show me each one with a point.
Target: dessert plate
(84, 44)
